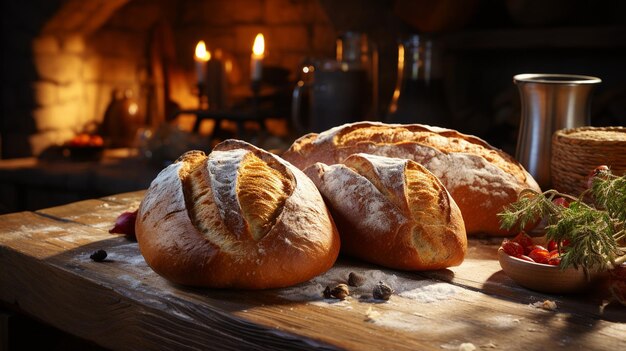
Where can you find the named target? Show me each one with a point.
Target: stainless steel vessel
(549, 102)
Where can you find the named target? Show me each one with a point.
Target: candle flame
(228, 66)
(259, 45)
(133, 108)
(201, 52)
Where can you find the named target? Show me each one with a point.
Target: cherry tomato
(512, 248)
(80, 140)
(83, 139)
(554, 261)
(555, 258)
(75, 141)
(552, 245)
(539, 255)
(559, 201)
(529, 249)
(525, 258)
(523, 239)
(532, 247)
(95, 140)
(594, 173)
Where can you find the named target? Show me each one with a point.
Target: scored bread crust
(481, 179)
(392, 212)
(237, 218)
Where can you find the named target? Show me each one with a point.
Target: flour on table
(395, 320)
(421, 291)
(41, 230)
(131, 281)
(465, 346)
(547, 305)
(504, 322)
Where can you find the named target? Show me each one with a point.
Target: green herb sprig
(595, 230)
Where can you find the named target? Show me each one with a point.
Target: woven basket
(576, 152)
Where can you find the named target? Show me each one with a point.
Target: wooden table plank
(52, 277)
(132, 198)
(480, 270)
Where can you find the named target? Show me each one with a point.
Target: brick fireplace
(63, 59)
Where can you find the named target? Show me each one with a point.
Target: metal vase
(549, 102)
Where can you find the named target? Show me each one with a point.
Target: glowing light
(256, 62)
(258, 48)
(228, 66)
(202, 54)
(133, 108)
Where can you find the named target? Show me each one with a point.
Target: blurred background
(82, 76)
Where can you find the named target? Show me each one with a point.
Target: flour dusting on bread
(223, 166)
(239, 218)
(392, 212)
(352, 193)
(482, 179)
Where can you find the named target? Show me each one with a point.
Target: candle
(256, 64)
(201, 57)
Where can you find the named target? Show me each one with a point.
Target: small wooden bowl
(542, 277)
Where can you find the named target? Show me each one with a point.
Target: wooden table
(46, 272)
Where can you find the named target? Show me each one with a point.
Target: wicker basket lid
(603, 135)
(576, 152)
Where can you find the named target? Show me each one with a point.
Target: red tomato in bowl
(555, 258)
(533, 247)
(523, 239)
(512, 248)
(526, 258)
(540, 255)
(552, 245)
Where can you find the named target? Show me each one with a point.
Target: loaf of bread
(237, 218)
(480, 178)
(392, 212)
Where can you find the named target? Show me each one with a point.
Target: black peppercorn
(355, 279)
(99, 255)
(382, 291)
(326, 293)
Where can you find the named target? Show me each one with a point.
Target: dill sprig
(595, 230)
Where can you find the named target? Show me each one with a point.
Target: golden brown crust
(392, 212)
(237, 218)
(262, 192)
(481, 178)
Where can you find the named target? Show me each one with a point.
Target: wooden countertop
(46, 272)
(120, 170)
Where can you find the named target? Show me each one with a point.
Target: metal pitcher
(549, 102)
(333, 97)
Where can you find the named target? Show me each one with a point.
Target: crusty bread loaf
(480, 178)
(237, 218)
(392, 212)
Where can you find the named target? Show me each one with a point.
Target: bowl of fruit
(85, 147)
(584, 237)
(535, 265)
